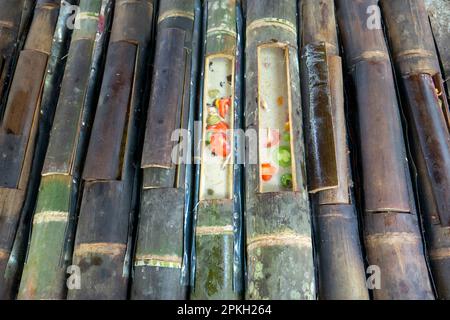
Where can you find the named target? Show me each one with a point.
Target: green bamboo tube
(279, 246)
(214, 242)
(49, 255)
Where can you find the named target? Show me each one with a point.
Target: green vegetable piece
(283, 156)
(286, 180)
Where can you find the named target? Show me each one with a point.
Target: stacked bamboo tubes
(103, 238)
(159, 260)
(279, 245)
(24, 132)
(391, 225)
(54, 221)
(428, 114)
(341, 265)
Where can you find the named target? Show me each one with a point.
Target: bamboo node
(213, 230)
(50, 216)
(104, 248)
(272, 22)
(440, 254)
(272, 240)
(393, 238)
(164, 261)
(176, 13)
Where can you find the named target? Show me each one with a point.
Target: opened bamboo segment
(218, 129)
(276, 159)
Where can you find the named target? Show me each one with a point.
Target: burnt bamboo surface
(54, 221)
(278, 224)
(14, 20)
(103, 238)
(392, 235)
(341, 272)
(426, 107)
(160, 265)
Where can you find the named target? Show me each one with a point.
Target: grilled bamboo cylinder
(159, 246)
(439, 14)
(50, 251)
(427, 111)
(341, 265)
(277, 207)
(29, 110)
(215, 227)
(391, 226)
(102, 244)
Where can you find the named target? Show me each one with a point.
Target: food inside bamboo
(224, 149)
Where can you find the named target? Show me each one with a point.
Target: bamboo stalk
(50, 251)
(24, 131)
(11, 22)
(159, 259)
(103, 238)
(391, 226)
(341, 265)
(439, 14)
(215, 226)
(277, 207)
(427, 111)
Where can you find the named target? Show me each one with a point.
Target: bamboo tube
(159, 258)
(29, 110)
(391, 226)
(341, 265)
(427, 111)
(278, 216)
(439, 14)
(215, 223)
(102, 244)
(50, 251)
(13, 22)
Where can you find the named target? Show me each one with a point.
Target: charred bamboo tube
(29, 110)
(439, 14)
(215, 215)
(391, 226)
(427, 111)
(51, 244)
(102, 244)
(278, 216)
(158, 259)
(341, 265)
(11, 22)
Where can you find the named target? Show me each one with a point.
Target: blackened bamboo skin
(391, 226)
(23, 131)
(10, 21)
(214, 231)
(102, 243)
(279, 245)
(426, 108)
(50, 251)
(341, 273)
(158, 260)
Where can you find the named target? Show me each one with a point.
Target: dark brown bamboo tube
(391, 227)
